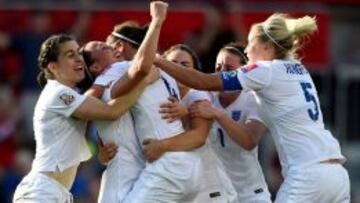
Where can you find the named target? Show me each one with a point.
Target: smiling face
(69, 67)
(102, 54)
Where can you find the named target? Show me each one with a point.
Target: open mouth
(79, 68)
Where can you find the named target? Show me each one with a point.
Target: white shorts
(259, 195)
(39, 188)
(172, 178)
(183, 177)
(319, 183)
(263, 198)
(118, 179)
(216, 186)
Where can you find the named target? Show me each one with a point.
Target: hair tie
(272, 39)
(124, 38)
(237, 51)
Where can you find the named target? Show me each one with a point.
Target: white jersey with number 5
(289, 106)
(241, 165)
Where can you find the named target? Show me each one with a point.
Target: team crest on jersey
(235, 115)
(67, 98)
(248, 68)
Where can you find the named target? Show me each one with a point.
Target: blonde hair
(285, 33)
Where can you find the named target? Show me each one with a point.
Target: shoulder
(199, 95)
(195, 96)
(55, 92)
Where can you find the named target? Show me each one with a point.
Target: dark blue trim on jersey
(230, 80)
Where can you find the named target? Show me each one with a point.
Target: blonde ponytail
(285, 33)
(301, 26)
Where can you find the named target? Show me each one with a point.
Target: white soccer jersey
(193, 96)
(148, 121)
(125, 167)
(60, 139)
(290, 108)
(241, 165)
(121, 131)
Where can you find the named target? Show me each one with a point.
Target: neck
(67, 83)
(227, 98)
(183, 91)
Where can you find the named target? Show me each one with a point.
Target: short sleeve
(104, 80)
(254, 77)
(65, 101)
(115, 72)
(195, 95)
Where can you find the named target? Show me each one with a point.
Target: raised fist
(158, 10)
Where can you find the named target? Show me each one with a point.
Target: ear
(94, 69)
(119, 46)
(52, 67)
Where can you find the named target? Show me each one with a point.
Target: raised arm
(144, 57)
(191, 77)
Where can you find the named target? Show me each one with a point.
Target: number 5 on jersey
(309, 97)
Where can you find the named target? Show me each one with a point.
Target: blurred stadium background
(332, 56)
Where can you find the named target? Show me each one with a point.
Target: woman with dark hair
(126, 39)
(60, 121)
(214, 185)
(125, 165)
(238, 152)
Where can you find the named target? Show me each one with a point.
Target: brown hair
(236, 49)
(49, 52)
(187, 49)
(128, 31)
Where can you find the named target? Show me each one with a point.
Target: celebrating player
(310, 156)
(60, 122)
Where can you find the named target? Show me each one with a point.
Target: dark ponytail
(41, 79)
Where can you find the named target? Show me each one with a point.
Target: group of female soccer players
(175, 142)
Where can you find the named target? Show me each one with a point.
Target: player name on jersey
(295, 68)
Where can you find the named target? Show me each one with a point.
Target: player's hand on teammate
(158, 10)
(173, 110)
(203, 109)
(153, 75)
(152, 149)
(106, 152)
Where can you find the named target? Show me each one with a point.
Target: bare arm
(94, 109)
(193, 138)
(191, 77)
(144, 57)
(246, 134)
(95, 91)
